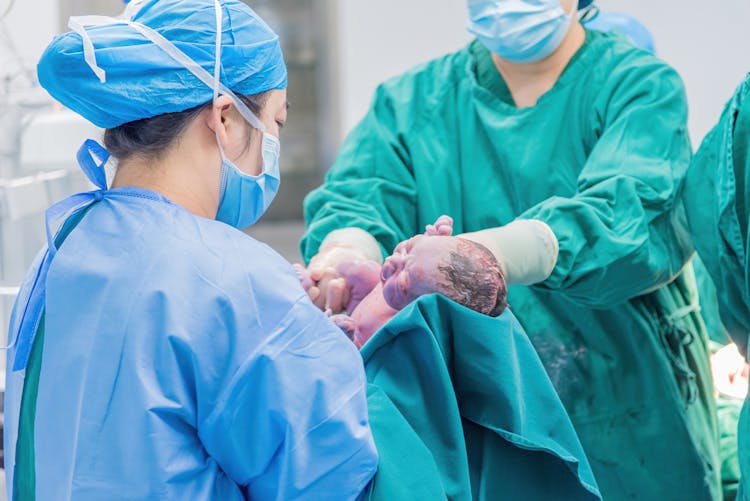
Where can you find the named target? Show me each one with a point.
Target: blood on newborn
(473, 278)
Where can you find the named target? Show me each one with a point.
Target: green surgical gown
(461, 408)
(600, 159)
(710, 304)
(716, 189)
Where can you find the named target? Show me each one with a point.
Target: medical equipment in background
(38, 141)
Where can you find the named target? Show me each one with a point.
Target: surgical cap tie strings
(217, 56)
(80, 23)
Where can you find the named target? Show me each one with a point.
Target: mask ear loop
(256, 123)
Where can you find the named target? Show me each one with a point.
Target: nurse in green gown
(716, 196)
(562, 150)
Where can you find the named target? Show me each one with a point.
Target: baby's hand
(443, 227)
(346, 324)
(361, 278)
(304, 276)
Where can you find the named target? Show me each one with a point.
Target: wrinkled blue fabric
(244, 197)
(143, 81)
(183, 360)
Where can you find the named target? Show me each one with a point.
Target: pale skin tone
(189, 171)
(334, 277)
(410, 271)
(413, 270)
(379, 292)
(527, 82)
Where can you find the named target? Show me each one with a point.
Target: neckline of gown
(491, 85)
(136, 192)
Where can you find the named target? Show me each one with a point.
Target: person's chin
(392, 296)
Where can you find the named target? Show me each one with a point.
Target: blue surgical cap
(627, 25)
(143, 81)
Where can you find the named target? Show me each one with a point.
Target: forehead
(425, 245)
(278, 97)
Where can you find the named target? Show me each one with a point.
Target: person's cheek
(404, 285)
(390, 294)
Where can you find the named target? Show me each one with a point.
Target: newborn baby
(435, 262)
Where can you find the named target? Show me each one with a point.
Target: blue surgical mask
(522, 31)
(244, 198)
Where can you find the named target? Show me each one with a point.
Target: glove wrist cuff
(526, 249)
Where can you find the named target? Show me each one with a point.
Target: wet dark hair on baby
(473, 278)
(151, 137)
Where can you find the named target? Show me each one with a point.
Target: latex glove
(526, 249)
(342, 270)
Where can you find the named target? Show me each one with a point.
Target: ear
(217, 118)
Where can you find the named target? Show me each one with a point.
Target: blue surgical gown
(182, 360)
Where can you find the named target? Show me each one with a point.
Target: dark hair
(475, 279)
(151, 137)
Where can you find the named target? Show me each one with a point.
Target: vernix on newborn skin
(464, 271)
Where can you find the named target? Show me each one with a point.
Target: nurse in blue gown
(158, 351)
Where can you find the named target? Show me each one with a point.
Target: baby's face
(413, 269)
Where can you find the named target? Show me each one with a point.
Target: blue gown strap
(32, 310)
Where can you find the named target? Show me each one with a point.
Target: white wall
(708, 43)
(378, 40)
(30, 24)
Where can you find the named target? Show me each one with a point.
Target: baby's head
(473, 278)
(462, 270)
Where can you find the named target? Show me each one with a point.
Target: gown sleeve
(715, 192)
(371, 185)
(623, 232)
(293, 423)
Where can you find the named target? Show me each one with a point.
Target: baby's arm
(346, 324)
(304, 276)
(361, 278)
